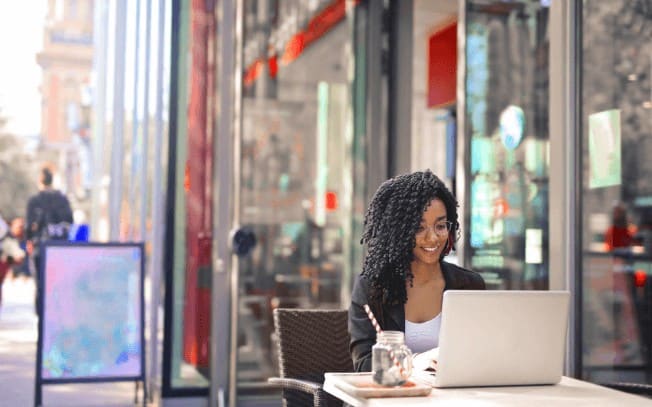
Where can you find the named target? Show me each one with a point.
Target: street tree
(16, 172)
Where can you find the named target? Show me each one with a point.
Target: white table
(569, 392)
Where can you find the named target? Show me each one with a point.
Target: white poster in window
(604, 149)
(533, 246)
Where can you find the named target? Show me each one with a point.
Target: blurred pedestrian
(10, 253)
(17, 232)
(620, 234)
(49, 217)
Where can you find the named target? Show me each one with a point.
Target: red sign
(319, 25)
(331, 201)
(442, 66)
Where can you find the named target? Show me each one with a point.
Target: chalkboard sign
(92, 313)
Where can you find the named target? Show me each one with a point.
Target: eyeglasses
(440, 228)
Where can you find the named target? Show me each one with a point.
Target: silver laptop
(502, 338)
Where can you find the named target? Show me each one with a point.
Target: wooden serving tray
(362, 385)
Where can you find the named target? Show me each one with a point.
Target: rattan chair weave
(311, 342)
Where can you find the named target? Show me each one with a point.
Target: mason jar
(391, 359)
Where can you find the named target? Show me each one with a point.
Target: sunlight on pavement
(18, 321)
(18, 336)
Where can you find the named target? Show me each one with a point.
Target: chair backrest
(312, 342)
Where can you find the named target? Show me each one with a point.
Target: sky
(21, 37)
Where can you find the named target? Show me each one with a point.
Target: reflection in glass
(295, 169)
(193, 201)
(617, 193)
(507, 124)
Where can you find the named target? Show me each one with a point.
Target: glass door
(506, 123)
(616, 253)
(296, 171)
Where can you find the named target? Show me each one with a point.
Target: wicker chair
(311, 342)
(633, 388)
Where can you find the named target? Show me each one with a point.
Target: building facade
(67, 63)
(285, 116)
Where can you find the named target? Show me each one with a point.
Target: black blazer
(392, 317)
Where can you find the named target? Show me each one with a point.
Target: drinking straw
(372, 318)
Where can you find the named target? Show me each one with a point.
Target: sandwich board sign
(91, 314)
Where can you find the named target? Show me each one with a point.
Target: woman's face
(432, 233)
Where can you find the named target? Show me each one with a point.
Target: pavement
(18, 337)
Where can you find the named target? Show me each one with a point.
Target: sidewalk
(18, 335)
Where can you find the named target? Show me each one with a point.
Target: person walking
(49, 217)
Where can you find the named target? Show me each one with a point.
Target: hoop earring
(449, 245)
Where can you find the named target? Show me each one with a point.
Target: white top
(422, 336)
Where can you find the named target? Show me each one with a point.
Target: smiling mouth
(430, 249)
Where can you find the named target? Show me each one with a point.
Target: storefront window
(616, 266)
(296, 167)
(434, 89)
(301, 165)
(506, 121)
(189, 295)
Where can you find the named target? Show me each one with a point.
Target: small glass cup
(391, 359)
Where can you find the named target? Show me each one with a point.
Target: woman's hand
(426, 360)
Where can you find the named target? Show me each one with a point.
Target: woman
(410, 226)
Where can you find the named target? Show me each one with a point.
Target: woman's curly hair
(390, 225)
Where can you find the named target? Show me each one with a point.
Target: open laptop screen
(493, 338)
